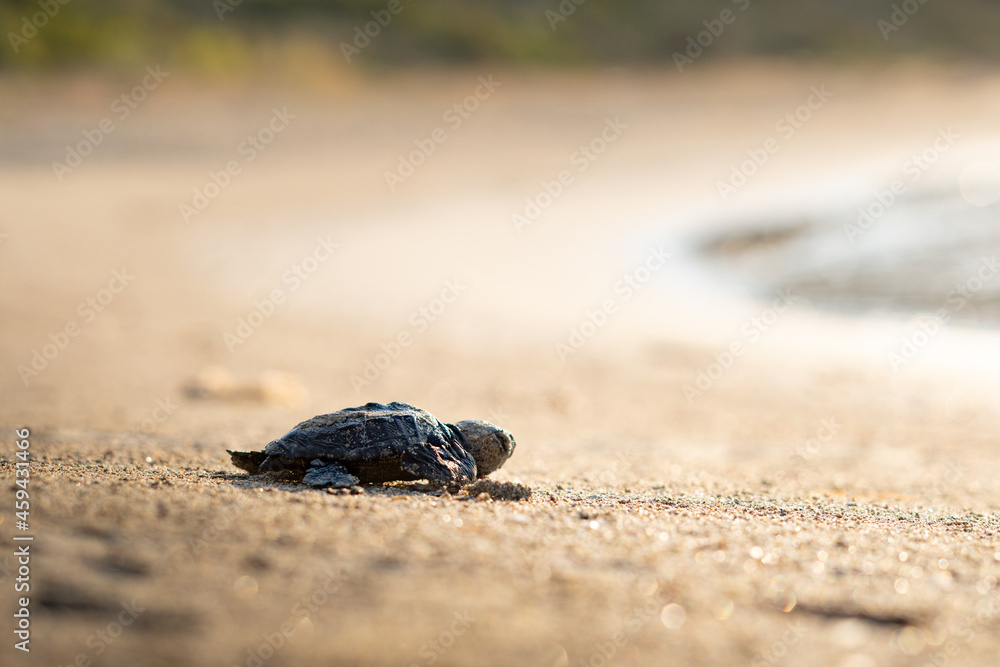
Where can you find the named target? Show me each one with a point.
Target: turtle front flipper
(334, 475)
(249, 461)
(440, 461)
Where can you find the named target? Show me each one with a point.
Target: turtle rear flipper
(249, 461)
(333, 475)
(441, 462)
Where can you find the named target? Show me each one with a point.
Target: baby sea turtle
(378, 443)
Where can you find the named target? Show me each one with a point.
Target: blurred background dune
(229, 35)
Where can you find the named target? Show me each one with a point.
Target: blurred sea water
(904, 279)
(934, 251)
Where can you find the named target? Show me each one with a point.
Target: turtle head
(490, 445)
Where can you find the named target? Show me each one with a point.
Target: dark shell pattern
(373, 443)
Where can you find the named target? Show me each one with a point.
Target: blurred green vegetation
(223, 35)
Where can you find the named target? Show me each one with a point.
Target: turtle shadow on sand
(377, 443)
(483, 489)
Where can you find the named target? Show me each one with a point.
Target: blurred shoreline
(350, 132)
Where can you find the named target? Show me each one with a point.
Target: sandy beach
(229, 260)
